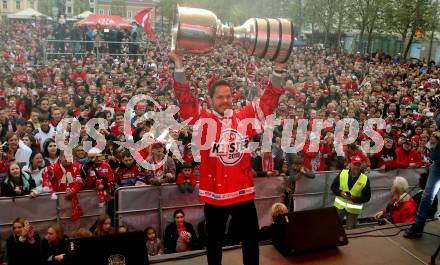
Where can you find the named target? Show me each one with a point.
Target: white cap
(94, 151)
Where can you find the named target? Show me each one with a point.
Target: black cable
(431, 234)
(378, 229)
(390, 227)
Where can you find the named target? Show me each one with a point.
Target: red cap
(356, 160)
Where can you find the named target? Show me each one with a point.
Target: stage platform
(359, 251)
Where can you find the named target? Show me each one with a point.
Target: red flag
(142, 19)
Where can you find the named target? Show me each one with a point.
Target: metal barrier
(139, 207)
(144, 206)
(73, 48)
(42, 211)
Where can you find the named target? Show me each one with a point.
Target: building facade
(13, 6)
(103, 7)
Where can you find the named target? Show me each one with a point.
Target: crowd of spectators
(35, 95)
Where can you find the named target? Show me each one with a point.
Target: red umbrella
(104, 21)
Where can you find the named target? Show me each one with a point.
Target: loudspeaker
(125, 248)
(306, 231)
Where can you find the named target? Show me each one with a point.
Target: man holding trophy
(226, 178)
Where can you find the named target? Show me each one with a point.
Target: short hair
(278, 209)
(43, 117)
(119, 113)
(176, 212)
(400, 184)
(215, 84)
(126, 153)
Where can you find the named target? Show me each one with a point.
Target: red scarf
(158, 171)
(77, 212)
(267, 163)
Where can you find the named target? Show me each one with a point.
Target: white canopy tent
(83, 15)
(28, 13)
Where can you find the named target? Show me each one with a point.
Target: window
(109, 12)
(91, 1)
(31, 3)
(92, 10)
(101, 11)
(129, 13)
(69, 10)
(17, 4)
(5, 4)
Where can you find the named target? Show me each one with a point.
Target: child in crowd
(186, 181)
(154, 245)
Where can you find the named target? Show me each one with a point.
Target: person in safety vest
(352, 189)
(226, 178)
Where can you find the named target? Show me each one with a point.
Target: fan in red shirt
(407, 157)
(98, 175)
(128, 173)
(65, 176)
(186, 181)
(78, 73)
(352, 150)
(402, 208)
(386, 158)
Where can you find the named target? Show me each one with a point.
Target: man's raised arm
(189, 105)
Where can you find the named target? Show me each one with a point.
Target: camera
(5, 147)
(435, 100)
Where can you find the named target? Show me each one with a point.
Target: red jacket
(81, 74)
(181, 179)
(225, 169)
(349, 155)
(63, 178)
(104, 171)
(127, 176)
(310, 158)
(386, 159)
(402, 212)
(404, 158)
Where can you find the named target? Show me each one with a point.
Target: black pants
(245, 214)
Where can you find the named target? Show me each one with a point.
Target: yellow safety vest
(356, 190)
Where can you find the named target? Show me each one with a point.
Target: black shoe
(413, 232)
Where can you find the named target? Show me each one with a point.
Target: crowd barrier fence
(72, 48)
(142, 206)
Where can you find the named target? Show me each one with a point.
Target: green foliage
(405, 17)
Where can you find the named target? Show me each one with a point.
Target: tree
(376, 18)
(118, 8)
(363, 14)
(321, 14)
(81, 6)
(406, 17)
(341, 10)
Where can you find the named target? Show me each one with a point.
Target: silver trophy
(199, 31)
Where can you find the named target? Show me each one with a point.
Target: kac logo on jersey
(230, 147)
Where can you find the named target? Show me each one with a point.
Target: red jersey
(181, 179)
(127, 176)
(63, 178)
(104, 172)
(225, 168)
